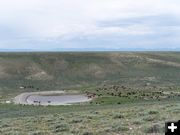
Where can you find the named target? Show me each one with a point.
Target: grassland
(135, 93)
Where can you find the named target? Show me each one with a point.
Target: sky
(90, 24)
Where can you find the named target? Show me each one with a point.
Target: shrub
(61, 128)
(149, 119)
(36, 133)
(4, 126)
(87, 133)
(137, 122)
(153, 112)
(118, 116)
(76, 121)
(118, 128)
(154, 129)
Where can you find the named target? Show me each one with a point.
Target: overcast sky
(52, 24)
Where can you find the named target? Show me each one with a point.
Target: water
(56, 100)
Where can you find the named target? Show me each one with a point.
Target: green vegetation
(131, 118)
(134, 93)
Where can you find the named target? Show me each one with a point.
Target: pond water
(56, 100)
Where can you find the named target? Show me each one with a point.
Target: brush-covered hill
(53, 71)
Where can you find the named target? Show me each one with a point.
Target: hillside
(51, 71)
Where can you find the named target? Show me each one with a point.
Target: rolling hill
(66, 70)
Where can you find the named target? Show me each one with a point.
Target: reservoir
(56, 100)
